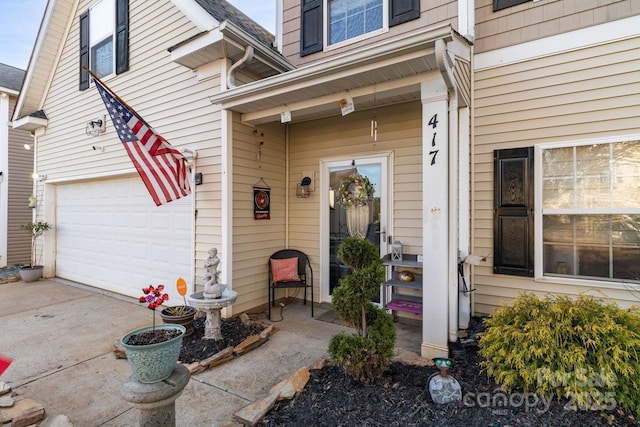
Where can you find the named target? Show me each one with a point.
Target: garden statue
(212, 288)
(443, 388)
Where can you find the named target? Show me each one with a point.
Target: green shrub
(586, 350)
(367, 353)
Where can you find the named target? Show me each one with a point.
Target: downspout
(445, 65)
(231, 78)
(194, 156)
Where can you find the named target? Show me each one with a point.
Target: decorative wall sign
(261, 200)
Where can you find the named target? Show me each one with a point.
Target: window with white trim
(101, 29)
(590, 201)
(348, 19)
(340, 21)
(104, 39)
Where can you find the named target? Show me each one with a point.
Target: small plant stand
(157, 401)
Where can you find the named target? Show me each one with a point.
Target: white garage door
(111, 235)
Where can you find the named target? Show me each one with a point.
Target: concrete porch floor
(61, 337)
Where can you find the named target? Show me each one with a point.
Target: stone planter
(154, 362)
(185, 319)
(31, 274)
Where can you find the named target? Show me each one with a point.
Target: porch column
(435, 217)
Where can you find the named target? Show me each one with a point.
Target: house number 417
(433, 122)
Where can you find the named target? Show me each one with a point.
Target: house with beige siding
(421, 98)
(16, 163)
(556, 150)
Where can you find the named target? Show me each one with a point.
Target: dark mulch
(401, 398)
(152, 337)
(196, 348)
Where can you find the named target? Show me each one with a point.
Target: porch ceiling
(385, 74)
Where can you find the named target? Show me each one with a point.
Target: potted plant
(32, 271)
(180, 314)
(153, 351)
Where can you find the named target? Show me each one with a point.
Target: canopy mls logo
(588, 391)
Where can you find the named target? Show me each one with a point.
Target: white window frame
(539, 211)
(326, 28)
(102, 23)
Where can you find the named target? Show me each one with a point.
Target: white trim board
(591, 36)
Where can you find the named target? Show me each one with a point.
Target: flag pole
(120, 100)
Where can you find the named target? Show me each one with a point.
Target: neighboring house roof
(223, 10)
(11, 77)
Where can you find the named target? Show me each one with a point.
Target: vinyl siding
(255, 240)
(535, 20)
(432, 13)
(168, 96)
(19, 189)
(588, 93)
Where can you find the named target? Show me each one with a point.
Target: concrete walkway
(61, 338)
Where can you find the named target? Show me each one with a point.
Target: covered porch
(410, 117)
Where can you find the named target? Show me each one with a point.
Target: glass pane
(593, 261)
(558, 178)
(593, 170)
(592, 229)
(558, 228)
(102, 58)
(625, 230)
(558, 259)
(626, 174)
(625, 263)
(341, 224)
(352, 18)
(101, 20)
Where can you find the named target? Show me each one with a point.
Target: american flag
(163, 169)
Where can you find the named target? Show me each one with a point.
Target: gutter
(398, 46)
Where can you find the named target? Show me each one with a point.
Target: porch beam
(330, 101)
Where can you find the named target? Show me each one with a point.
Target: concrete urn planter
(153, 363)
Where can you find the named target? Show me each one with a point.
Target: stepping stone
(6, 402)
(4, 388)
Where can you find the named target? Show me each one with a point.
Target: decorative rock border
(229, 353)
(253, 413)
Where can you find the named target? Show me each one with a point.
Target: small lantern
(302, 189)
(396, 251)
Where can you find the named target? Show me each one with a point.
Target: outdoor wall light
(302, 190)
(27, 146)
(95, 127)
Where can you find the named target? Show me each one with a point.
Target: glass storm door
(368, 221)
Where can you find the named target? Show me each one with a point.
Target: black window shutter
(403, 10)
(513, 212)
(84, 50)
(311, 27)
(122, 36)
(503, 4)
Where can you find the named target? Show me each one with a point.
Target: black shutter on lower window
(403, 10)
(122, 36)
(503, 4)
(311, 27)
(84, 50)
(513, 212)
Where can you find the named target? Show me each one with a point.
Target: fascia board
(347, 61)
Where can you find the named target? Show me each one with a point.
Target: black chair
(304, 273)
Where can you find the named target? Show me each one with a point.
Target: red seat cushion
(285, 270)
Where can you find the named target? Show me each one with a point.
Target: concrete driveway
(61, 337)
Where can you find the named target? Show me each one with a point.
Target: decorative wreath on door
(354, 190)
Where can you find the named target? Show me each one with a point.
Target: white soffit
(591, 36)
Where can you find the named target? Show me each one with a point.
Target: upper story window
(104, 39)
(503, 4)
(349, 20)
(101, 30)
